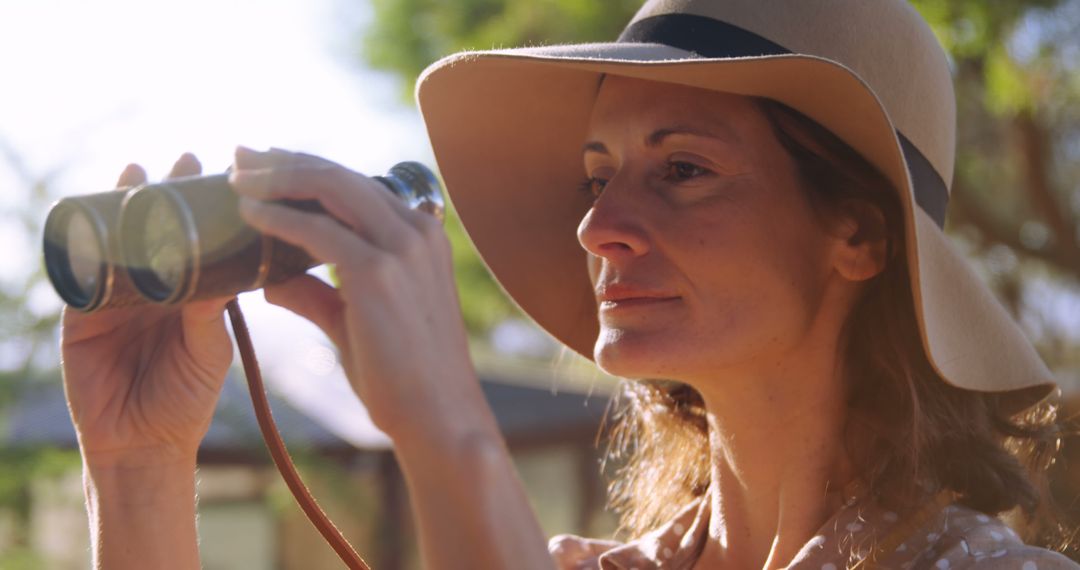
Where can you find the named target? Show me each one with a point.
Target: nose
(613, 229)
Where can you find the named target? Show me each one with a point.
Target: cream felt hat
(507, 127)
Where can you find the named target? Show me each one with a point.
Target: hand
(142, 382)
(395, 319)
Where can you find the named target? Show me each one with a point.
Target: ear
(861, 241)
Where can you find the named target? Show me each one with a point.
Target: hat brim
(507, 128)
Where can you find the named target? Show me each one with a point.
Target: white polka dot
(964, 546)
(998, 553)
(1029, 565)
(932, 537)
(942, 563)
(982, 518)
(854, 527)
(668, 553)
(901, 548)
(890, 516)
(678, 528)
(996, 535)
(828, 566)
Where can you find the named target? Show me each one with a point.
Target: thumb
(313, 299)
(204, 332)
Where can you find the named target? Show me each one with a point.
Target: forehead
(627, 103)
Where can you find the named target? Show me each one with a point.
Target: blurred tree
(26, 331)
(407, 35)
(27, 351)
(1015, 62)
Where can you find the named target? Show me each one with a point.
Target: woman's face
(704, 250)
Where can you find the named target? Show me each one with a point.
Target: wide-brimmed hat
(507, 128)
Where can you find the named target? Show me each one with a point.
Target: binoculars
(183, 239)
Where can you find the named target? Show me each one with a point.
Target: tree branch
(1035, 167)
(965, 210)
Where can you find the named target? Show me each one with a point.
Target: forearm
(142, 515)
(469, 504)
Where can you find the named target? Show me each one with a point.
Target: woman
(820, 381)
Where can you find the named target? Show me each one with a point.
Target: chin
(631, 356)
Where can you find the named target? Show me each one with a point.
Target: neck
(778, 459)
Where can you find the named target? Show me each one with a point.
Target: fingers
(204, 335)
(186, 165)
(247, 158)
(351, 198)
(322, 237)
(133, 175)
(311, 298)
(362, 203)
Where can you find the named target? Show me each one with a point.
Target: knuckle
(382, 270)
(412, 244)
(431, 229)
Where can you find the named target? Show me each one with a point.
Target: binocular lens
(85, 258)
(75, 251)
(164, 245)
(156, 242)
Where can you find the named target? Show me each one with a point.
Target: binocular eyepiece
(183, 239)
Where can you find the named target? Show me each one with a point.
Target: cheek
(758, 287)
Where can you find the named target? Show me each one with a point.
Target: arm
(141, 385)
(142, 514)
(468, 502)
(396, 320)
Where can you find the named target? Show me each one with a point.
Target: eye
(593, 186)
(678, 171)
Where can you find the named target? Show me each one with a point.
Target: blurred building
(248, 519)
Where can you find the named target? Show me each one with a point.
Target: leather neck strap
(277, 449)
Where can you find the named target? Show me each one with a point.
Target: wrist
(164, 457)
(141, 510)
(139, 477)
(465, 448)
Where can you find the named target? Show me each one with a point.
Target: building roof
(525, 414)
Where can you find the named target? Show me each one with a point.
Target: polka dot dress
(951, 538)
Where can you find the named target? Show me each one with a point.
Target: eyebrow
(657, 137)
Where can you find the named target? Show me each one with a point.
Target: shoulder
(970, 539)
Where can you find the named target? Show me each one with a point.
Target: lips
(618, 295)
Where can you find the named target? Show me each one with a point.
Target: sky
(89, 87)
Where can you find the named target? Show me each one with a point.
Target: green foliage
(23, 465)
(982, 39)
(407, 35)
(21, 558)
(483, 302)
